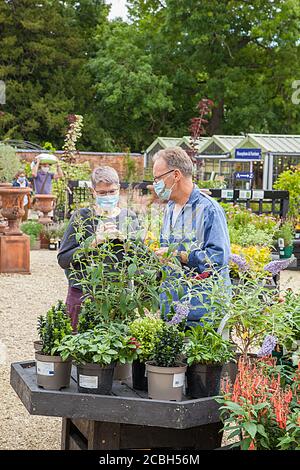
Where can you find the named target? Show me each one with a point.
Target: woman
(20, 181)
(104, 219)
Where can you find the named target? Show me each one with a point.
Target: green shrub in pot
(53, 372)
(96, 353)
(33, 229)
(205, 352)
(165, 372)
(145, 330)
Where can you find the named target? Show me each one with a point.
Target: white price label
(257, 194)
(45, 368)
(227, 193)
(244, 194)
(84, 184)
(178, 380)
(88, 381)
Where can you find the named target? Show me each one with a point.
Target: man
(42, 178)
(194, 227)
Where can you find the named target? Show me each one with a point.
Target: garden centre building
(253, 160)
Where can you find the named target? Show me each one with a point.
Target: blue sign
(243, 175)
(248, 154)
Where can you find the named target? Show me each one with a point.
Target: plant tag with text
(88, 381)
(178, 380)
(45, 368)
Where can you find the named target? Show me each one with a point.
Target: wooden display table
(124, 420)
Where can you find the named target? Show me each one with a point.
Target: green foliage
(255, 312)
(132, 100)
(290, 181)
(206, 346)
(103, 345)
(80, 171)
(249, 235)
(208, 184)
(55, 230)
(9, 163)
(168, 346)
(120, 276)
(53, 327)
(145, 330)
(44, 49)
(134, 81)
(89, 316)
(32, 229)
(285, 231)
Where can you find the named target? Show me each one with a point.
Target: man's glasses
(112, 192)
(157, 178)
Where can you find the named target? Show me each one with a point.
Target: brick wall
(116, 160)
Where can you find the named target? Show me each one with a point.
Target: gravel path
(22, 299)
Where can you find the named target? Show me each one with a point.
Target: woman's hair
(105, 174)
(19, 172)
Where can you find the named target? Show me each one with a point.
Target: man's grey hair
(176, 158)
(105, 174)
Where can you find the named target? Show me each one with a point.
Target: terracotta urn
(12, 207)
(44, 203)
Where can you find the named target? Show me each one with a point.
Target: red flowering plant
(261, 408)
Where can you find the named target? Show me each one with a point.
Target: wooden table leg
(104, 436)
(65, 434)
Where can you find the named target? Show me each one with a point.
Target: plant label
(88, 381)
(257, 194)
(227, 193)
(178, 380)
(45, 368)
(245, 194)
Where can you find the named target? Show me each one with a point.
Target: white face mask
(45, 169)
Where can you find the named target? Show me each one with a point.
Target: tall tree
(44, 49)
(133, 101)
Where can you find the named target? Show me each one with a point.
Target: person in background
(194, 227)
(42, 177)
(20, 181)
(103, 219)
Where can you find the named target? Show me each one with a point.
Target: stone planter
(44, 203)
(12, 207)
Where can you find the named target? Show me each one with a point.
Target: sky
(118, 8)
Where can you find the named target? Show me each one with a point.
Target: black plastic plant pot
(139, 379)
(203, 380)
(94, 378)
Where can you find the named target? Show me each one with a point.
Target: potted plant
(284, 237)
(206, 352)
(255, 312)
(33, 230)
(96, 352)
(53, 372)
(165, 372)
(145, 330)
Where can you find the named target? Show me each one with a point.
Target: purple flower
(268, 346)
(274, 267)
(181, 313)
(240, 261)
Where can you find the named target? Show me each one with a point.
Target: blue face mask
(107, 202)
(21, 179)
(162, 192)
